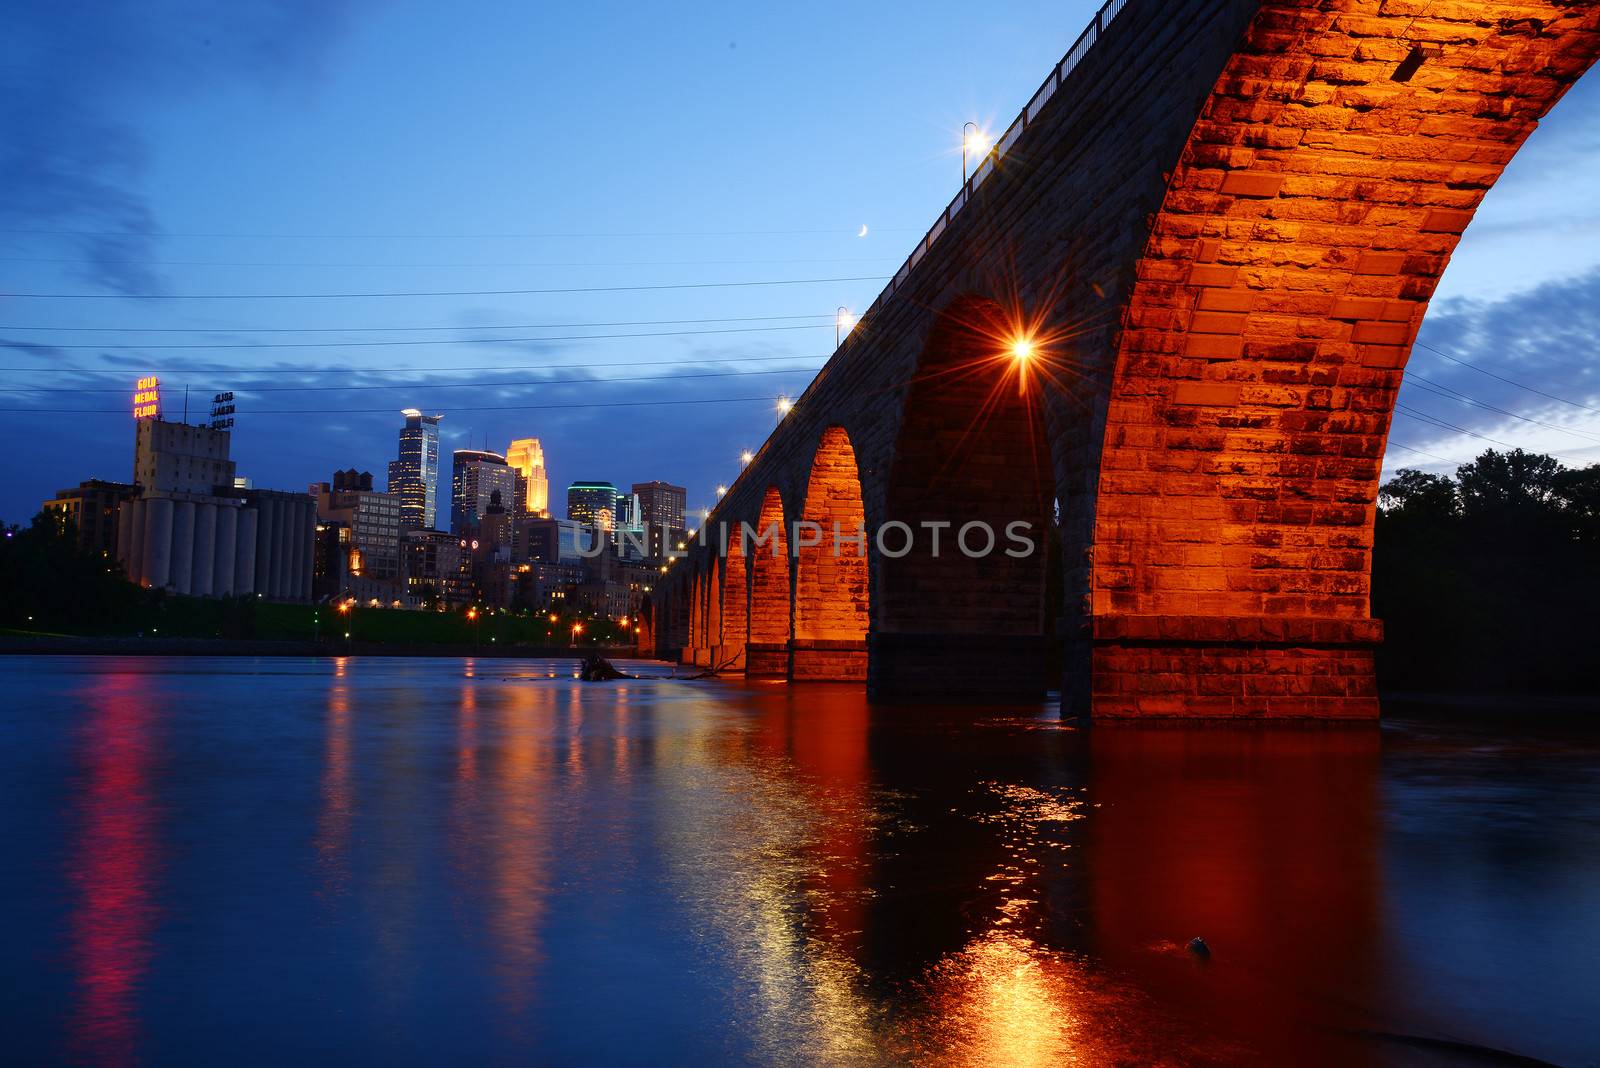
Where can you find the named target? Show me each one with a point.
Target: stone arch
(767, 652)
(831, 594)
(971, 449)
(1333, 169)
(713, 609)
(735, 604)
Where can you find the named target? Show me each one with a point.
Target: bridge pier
(1197, 667)
(766, 660)
(827, 660)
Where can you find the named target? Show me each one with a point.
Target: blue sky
(307, 147)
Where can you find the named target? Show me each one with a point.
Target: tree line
(1490, 579)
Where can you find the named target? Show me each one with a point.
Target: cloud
(1523, 370)
(32, 349)
(73, 80)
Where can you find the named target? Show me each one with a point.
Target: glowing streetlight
(785, 406)
(722, 491)
(977, 143)
(1022, 349)
(843, 323)
(746, 456)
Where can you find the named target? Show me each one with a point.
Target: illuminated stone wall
(767, 651)
(830, 600)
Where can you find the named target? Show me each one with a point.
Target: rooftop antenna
(186, 404)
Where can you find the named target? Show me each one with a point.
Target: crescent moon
(863, 232)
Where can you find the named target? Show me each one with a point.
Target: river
(372, 860)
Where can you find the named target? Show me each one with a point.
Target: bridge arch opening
(713, 610)
(697, 618)
(832, 592)
(1308, 220)
(959, 616)
(735, 605)
(767, 652)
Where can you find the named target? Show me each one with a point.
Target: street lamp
(785, 406)
(722, 491)
(746, 456)
(472, 617)
(843, 323)
(977, 143)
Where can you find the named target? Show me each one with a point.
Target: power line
(1441, 390)
(1424, 417)
(399, 329)
(1423, 452)
(444, 293)
(433, 237)
(415, 386)
(1507, 381)
(390, 411)
(442, 266)
(291, 370)
(433, 341)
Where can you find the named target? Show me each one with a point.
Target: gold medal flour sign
(147, 398)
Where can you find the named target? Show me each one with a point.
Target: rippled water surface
(215, 861)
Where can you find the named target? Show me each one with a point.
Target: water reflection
(447, 863)
(1261, 841)
(112, 868)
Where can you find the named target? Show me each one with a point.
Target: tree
(50, 581)
(1488, 580)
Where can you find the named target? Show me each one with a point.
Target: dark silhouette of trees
(50, 582)
(1490, 580)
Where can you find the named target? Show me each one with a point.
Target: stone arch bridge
(1164, 324)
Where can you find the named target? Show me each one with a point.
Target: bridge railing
(1080, 48)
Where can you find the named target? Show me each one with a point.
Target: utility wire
(400, 329)
(429, 237)
(1423, 452)
(1502, 378)
(444, 266)
(291, 370)
(431, 341)
(1442, 390)
(1412, 413)
(443, 293)
(416, 386)
(390, 411)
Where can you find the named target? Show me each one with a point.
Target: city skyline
(214, 209)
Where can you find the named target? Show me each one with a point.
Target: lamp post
(472, 617)
(843, 323)
(975, 142)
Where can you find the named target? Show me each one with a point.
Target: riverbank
(72, 645)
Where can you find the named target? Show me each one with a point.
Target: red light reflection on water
(112, 870)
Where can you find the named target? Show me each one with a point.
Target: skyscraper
(661, 504)
(476, 477)
(414, 477)
(526, 457)
(594, 504)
